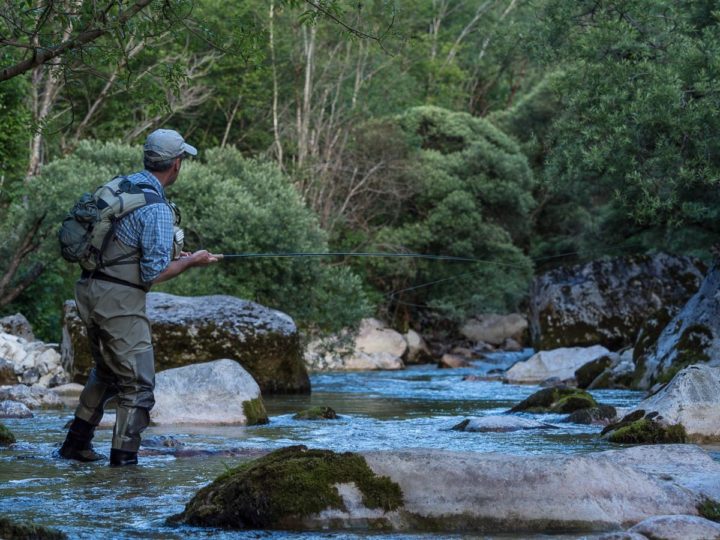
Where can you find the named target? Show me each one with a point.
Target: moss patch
(255, 412)
(6, 436)
(316, 413)
(647, 431)
(280, 489)
(691, 349)
(709, 509)
(11, 530)
(559, 399)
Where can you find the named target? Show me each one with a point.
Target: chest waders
(111, 304)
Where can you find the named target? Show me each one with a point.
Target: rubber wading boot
(78, 445)
(118, 458)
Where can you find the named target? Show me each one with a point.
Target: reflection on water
(379, 411)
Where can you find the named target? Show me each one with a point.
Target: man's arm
(178, 266)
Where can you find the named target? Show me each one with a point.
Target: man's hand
(201, 258)
(186, 260)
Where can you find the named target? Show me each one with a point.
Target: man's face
(175, 169)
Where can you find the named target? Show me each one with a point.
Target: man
(111, 304)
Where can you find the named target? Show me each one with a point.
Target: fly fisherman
(146, 249)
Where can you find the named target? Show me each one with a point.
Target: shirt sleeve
(156, 241)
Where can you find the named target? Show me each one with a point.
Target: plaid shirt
(150, 230)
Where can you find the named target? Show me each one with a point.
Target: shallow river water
(384, 410)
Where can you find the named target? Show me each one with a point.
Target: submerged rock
(6, 437)
(14, 409)
(558, 399)
(677, 528)
(219, 392)
(602, 415)
(495, 329)
(607, 301)
(691, 337)
(456, 492)
(14, 530)
(316, 413)
(191, 330)
(691, 399)
(560, 363)
(500, 424)
(453, 361)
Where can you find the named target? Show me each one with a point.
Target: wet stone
(14, 409)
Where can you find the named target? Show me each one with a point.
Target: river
(381, 410)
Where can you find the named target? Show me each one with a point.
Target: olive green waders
(120, 343)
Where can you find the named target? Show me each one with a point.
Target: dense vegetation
(525, 133)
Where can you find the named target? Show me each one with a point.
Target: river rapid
(381, 410)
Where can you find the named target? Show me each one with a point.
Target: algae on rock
(287, 485)
(6, 436)
(316, 413)
(558, 399)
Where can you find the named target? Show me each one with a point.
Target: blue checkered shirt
(150, 230)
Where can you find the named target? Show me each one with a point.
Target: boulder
(7, 373)
(601, 415)
(558, 399)
(34, 397)
(692, 336)
(6, 438)
(641, 428)
(500, 424)
(447, 492)
(32, 362)
(607, 301)
(619, 374)
(17, 325)
(560, 363)
(14, 409)
(691, 399)
(453, 361)
(375, 337)
(361, 361)
(191, 330)
(495, 329)
(316, 413)
(219, 392)
(677, 528)
(418, 351)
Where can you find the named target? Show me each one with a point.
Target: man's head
(164, 150)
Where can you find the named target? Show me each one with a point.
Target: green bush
(229, 205)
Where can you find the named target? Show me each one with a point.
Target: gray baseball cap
(164, 144)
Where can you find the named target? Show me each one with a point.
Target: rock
(6, 437)
(191, 330)
(375, 361)
(607, 301)
(637, 428)
(622, 536)
(161, 441)
(17, 325)
(619, 374)
(483, 378)
(511, 345)
(31, 376)
(495, 329)
(13, 530)
(499, 424)
(316, 413)
(7, 373)
(678, 528)
(561, 363)
(453, 361)
(552, 382)
(12, 349)
(558, 399)
(34, 397)
(375, 337)
(30, 362)
(14, 409)
(219, 392)
(464, 352)
(691, 399)
(587, 373)
(446, 492)
(69, 393)
(418, 351)
(602, 415)
(691, 337)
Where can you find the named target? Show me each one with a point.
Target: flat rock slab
(191, 330)
(678, 528)
(500, 424)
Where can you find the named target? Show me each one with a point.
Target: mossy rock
(6, 436)
(316, 413)
(709, 509)
(647, 431)
(279, 490)
(558, 399)
(11, 530)
(255, 412)
(595, 415)
(586, 374)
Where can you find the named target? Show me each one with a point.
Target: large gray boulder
(448, 492)
(607, 301)
(219, 392)
(692, 336)
(190, 330)
(495, 329)
(560, 363)
(692, 399)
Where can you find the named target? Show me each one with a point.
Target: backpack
(90, 225)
